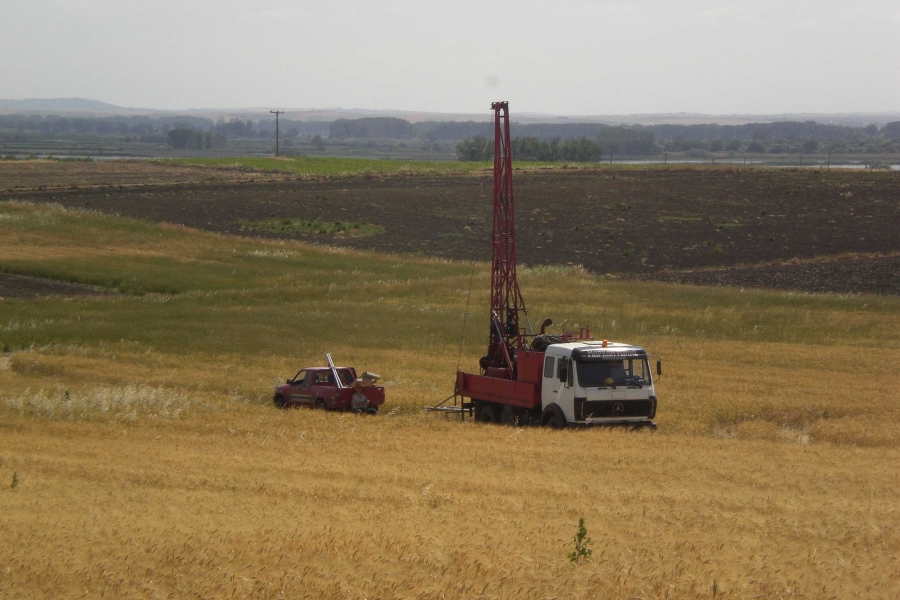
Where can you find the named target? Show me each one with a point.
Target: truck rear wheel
(489, 413)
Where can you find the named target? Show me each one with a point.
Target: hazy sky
(561, 57)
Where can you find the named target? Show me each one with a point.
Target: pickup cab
(316, 387)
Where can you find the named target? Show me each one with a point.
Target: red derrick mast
(507, 304)
(538, 384)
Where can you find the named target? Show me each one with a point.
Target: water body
(681, 161)
(756, 163)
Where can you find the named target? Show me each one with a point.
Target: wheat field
(140, 456)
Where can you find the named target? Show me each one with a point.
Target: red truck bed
(524, 392)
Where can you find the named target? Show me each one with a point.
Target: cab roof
(596, 351)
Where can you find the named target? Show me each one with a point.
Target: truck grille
(600, 409)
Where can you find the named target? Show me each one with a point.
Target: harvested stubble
(166, 472)
(254, 503)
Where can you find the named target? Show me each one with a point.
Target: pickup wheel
(279, 401)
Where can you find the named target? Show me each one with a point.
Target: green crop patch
(726, 223)
(317, 226)
(679, 219)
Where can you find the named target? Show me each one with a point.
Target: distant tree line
(159, 129)
(579, 149)
(480, 148)
(782, 137)
(535, 141)
(371, 127)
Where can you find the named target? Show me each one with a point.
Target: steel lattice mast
(506, 299)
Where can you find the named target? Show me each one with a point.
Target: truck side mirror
(289, 381)
(658, 367)
(571, 373)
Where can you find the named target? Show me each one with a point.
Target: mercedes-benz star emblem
(617, 407)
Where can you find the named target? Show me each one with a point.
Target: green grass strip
(318, 226)
(320, 166)
(336, 167)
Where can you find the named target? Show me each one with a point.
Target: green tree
(527, 148)
(183, 137)
(810, 146)
(581, 150)
(478, 148)
(891, 130)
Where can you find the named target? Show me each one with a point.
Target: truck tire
(279, 401)
(553, 417)
(489, 413)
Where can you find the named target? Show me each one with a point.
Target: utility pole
(276, 113)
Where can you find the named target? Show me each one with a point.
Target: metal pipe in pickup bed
(334, 372)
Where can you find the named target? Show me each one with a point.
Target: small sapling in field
(582, 544)
(15, 481)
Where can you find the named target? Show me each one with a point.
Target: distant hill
(66, 104)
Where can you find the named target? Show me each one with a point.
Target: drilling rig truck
(557, 380)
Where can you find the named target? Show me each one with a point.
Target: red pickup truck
(316, 387)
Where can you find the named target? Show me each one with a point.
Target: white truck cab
(598, 383)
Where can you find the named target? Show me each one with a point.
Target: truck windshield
(628, 372)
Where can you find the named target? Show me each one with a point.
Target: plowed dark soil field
(819, 231)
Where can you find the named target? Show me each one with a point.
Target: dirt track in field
(22, 286)
(23, 175)
(711, 226)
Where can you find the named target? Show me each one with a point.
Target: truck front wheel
(279, 401)
(553, 417)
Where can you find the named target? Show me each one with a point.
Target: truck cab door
(555, 387)
(299, 393)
